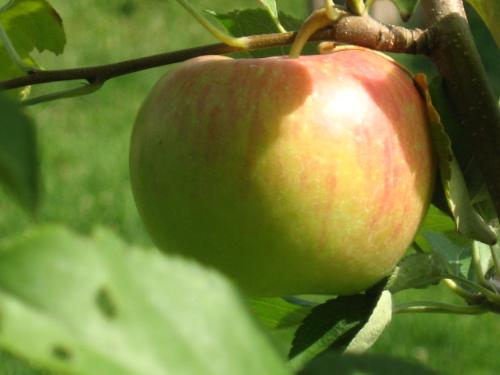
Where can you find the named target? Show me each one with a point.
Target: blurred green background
(84, 153)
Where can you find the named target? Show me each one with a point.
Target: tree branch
(362, 31)
(455, 54)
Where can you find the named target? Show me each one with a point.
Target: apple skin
(292, 176)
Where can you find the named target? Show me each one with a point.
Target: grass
(84, 152)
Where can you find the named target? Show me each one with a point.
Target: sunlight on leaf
(95, 306)
(30, 24)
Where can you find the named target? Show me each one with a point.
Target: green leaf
(467, 220)
(456, 254)
(405, 8)
(19, 169)
(257, 21)
(418, 270)
(332, 325)
(275, 313)
(10, 365)
(30, 24)
(371, 331)
(437, 221)
(280, 318)
(489, 10)
(94, 306)
(270, 5)
(366, 364)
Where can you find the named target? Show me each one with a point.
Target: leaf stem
(438, 307)
(461, 292)
(241, 42)
(274, 16)
(488, 294)
(331, 12)
(357, 7)
(70, 93)
(12, 52)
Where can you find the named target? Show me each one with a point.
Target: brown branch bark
(363, 31)
(455, 54)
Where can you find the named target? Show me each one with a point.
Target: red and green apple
(291, 176)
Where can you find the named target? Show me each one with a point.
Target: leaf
(332, 324)
(257, 21)
(29, 24)
(280, 318)
(19, 168)
(371, 331)
(437, 221)
(270, 5)
(275, 313)
(457, 255)
(405, 8)
(93, 306)
(467, 220)
(489, 10)
(366, 364)
(418, 270)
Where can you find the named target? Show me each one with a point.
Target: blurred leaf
(29, 24)
(19, 169)
(371, 331)
(332, 325)
(366, 364)
(92, 306)
(258, 21)
(418, 270)
(489, 10)
(468, 221)
(10, 365)
(405, 7)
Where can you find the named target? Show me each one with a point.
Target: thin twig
(362, 31)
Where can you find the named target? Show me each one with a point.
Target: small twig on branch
(362, 31)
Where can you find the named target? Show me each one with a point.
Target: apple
(291, 176)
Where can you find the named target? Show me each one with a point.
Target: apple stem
(438, 307)
(241, 42)
(317, 20)
(12, 52)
